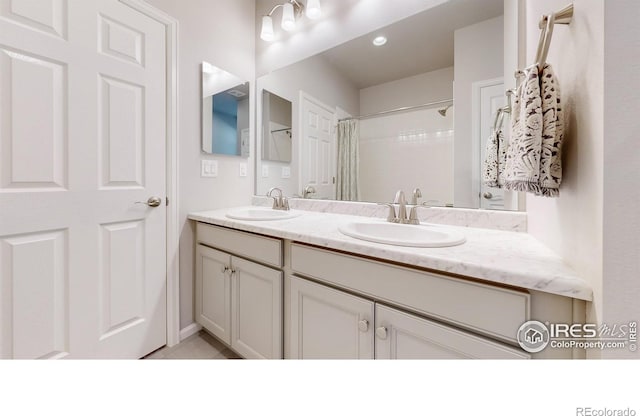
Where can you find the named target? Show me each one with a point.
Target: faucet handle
(415, 195)
(285, 204)
(391, 217)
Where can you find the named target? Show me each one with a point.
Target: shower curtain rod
(396, 110)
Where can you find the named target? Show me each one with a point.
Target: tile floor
(200, 346)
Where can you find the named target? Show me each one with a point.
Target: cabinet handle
(233, 271)
(363, 325)
(381, 332)
(224, 269)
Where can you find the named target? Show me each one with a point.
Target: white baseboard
(189, 330)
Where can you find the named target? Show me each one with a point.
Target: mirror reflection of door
(317, 147)
(490, 98)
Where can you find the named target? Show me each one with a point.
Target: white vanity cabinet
(330, 323)
(238, 300)
(268, 297)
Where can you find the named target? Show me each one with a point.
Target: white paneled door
(317, 147)
(82, 139)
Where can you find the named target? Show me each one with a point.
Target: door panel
(121, 134)
(33, 296)
(82, 139)
(325, 323)
(48, 16)
(256, 305)
(213, 291)
(32, 86)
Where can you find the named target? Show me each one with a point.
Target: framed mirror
(277, 133)
(422, 101)
(225, 113)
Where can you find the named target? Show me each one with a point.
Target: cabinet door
(328, 323)
(400, 335)
(256, 310)
(213, 291)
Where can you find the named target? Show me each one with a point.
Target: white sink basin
(402, 234)
(261, 214)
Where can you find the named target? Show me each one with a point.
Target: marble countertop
(506, 257)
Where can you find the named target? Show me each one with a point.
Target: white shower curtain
(347, 188)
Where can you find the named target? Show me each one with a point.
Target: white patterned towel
(495, 159)
(552, 134)
(522, 168)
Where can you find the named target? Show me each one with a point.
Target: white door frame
(173, 229)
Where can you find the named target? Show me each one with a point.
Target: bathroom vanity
(298, 288)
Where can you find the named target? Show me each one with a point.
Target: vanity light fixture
(314, 11)
(267, 29)
(379, 40)
(291, 10)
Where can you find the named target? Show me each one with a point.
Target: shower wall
(411, 149)
(405, 151)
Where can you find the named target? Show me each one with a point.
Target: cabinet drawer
(495, 311)
(263, 249)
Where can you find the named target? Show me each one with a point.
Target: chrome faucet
(279, 202)
(401, 201)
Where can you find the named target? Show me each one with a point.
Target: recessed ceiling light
(379, 41)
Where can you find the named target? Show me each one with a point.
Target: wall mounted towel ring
(547, 23)
(545, 41)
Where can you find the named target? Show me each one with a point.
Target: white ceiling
(417, 44)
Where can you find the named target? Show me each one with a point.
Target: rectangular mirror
(276, 128)
(420, 107)
(225, 112)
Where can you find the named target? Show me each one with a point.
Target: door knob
(381, 332)
(154, 201)
(363, 325)
(487, 195)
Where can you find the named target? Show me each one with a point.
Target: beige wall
(479, 56)
(572, 224)
(220, 32)
(621, 209)
(594, 224)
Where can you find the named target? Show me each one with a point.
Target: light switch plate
(243, 169)
(209, 168)
(265, 171)
(286, 172)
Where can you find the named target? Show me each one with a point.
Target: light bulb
(313, 9)
(380, 40)
(288, 18)
(267, 29)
